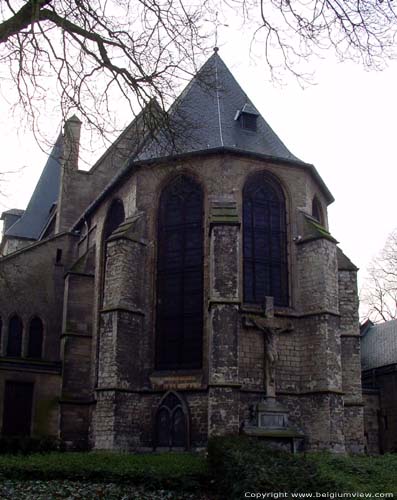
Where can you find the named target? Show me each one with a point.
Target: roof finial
(216, 31)
(217, 24)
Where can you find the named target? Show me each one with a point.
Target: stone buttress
(117, 414)
(321, 391)
(223, 392)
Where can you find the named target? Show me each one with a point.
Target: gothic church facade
(186, 286)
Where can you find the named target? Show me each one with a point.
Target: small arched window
(35, 344)
(14, 341)
(265, 241)
(317, 211)
(172, 423)
(179, 324)
(114, 218)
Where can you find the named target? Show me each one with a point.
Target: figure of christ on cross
(271, 327)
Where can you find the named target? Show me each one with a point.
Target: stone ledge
(273, 433)
(222, 302)
(30, 365)
(168, 380)
(348, 404)
(203, 389)
(309, 393)
(70, 333)
(77, 402)
(231, 385)
(77, 273)
(137, 312)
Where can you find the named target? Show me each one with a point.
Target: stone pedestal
(269, 422)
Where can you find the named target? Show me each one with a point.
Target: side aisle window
(35, 345)
(14, 340)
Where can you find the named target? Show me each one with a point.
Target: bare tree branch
(96, 52)
(379, 293)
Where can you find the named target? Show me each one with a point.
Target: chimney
(71, 142)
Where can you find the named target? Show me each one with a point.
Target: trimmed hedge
(26, 445)
(174, 471)
(241, 464)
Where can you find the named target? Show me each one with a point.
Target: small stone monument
(269, 418)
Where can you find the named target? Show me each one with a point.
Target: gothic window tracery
(265, 241)
(172, 423)
(180, 276)
(35, 344)
(14, 340)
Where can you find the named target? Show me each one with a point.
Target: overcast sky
(344, 125)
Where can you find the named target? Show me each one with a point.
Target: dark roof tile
(379, 345)
(33, 220)
(204, 117)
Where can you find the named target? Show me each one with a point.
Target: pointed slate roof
(203, 120)
(205, 117)
(36, 215)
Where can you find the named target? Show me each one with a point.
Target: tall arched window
(317, 211)
(35, 344)
(180, 276)
(265, 241)
(14, 341)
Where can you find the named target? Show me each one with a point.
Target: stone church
(186, 286)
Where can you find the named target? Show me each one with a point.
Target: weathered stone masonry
(98, 383)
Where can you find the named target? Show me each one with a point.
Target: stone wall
(371, 421)
(351, 359)
(46, 380)
(384, 381)
(309, 368)
(111, 388)
(36, 290)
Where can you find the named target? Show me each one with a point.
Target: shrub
(25, 445)
(241, 464)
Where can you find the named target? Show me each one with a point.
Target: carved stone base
(269, 421)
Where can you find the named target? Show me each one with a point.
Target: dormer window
(247, 117)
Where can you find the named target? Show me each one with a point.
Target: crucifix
(271, 327)
(217, 24)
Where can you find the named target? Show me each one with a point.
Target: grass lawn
(235, 466)
(359, 473)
